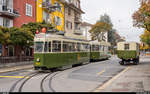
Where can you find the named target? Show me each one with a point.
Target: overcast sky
(120, 12)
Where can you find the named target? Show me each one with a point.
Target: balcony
(9, 12)
(48, 6)
(77, 20)
(78, 32)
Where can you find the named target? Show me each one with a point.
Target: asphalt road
(85, 78)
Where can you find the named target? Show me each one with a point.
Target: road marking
(110, 81)
(100, 72)
(13, 77)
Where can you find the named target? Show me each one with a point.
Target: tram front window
(39, 46)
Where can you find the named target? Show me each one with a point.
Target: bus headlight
(38, 59)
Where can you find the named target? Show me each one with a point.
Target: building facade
(73, 19)
(47, 12)
(86, 27)
(15, 13)
(27, 11)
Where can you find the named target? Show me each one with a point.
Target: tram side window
(49, 48)
(85, 47)
(56, 46)
(46, 47)
(78, 47)
(65, 46)
(93, 47)
(73, 47)
(100, 48)
(106, 49)
(103, 48)
(68, 47)
(39, 46)
(97, 48)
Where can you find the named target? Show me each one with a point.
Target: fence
(15, 59)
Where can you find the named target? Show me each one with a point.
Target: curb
(10, 69)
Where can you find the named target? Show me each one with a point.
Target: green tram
(55, 51)
(59, 51)
(128, 52)
(99, 50)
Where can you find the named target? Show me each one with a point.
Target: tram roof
(43, 37)
(100, 43)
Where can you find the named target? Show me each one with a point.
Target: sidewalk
(15, 66)
(135, 78)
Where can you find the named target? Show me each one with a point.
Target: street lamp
(27, 48)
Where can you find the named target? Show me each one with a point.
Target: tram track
(19, 85)
(17, 82)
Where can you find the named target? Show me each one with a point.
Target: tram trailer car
(59, 52)
(128, 51)
(99, 50)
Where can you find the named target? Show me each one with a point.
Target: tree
(4, 36)
(105, 18)
(145, 38)
(98, 30)
(19, 36)
(33, 26)
(141, 18)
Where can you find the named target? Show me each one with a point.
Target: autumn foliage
(99, 29)
(141, 19)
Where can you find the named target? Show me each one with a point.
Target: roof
(86, 24)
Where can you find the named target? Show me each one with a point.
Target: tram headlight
(38, 59)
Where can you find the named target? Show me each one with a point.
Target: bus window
(39, 46)
(56, 46)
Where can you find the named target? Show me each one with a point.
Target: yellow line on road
(13, 77)
(100, 72)
(110, 81)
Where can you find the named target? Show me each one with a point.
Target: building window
(59, 7)
(46, 17)
(69, 25)
(69, 11)
(6, 22)
(28, 10)
(57, 20)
